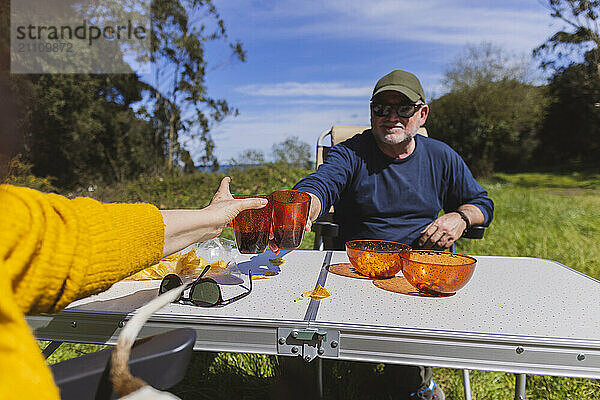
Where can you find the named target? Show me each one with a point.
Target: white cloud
(514, 26)
(298, 89)
(261, 129)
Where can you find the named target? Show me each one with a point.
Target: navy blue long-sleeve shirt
(379, 197)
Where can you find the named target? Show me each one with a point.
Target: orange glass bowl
(437, 272)
(376, 258)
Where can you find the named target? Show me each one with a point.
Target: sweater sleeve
(54, 250)
(331, 178)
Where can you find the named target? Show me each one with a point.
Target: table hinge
(308, 343)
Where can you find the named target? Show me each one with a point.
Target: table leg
(520, 381)
(299, 380)
(51, 348)
(319, 362)
(466, 384)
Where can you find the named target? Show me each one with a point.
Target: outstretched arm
(185, 227)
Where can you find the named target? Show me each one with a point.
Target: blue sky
(312, 64)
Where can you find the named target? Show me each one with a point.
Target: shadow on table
(260, 264)
(395, 284)
(128, 303)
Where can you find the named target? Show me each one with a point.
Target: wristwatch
(464, 218)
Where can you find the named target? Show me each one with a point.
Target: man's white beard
(398, 138)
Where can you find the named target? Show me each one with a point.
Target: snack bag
(221, 255)
(190, 261)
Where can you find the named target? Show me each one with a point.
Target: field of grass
(555, 217)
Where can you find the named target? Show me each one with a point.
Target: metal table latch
(308, 343)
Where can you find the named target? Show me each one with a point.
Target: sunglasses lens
(205, 293)
(169, 282)
(406, 111)
(381, 110)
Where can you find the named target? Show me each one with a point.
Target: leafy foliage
(82, 129)
(19, 174)
(292, 151)
(491, 114)
(247, 157)
(183, 107)
(580, 35)
(570, 133)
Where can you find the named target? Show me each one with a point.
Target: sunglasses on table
(402, 110)
(204, 292)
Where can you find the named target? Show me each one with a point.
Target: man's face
(393, 129)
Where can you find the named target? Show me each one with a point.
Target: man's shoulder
(359, 139)
(435, 146)
(357, 144)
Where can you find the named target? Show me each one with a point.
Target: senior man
(390, 183)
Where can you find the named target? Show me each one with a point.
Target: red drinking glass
(252, 227)
(290, 213)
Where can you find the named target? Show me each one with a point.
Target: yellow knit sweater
(53, 251)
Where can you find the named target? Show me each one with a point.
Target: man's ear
(423, 113)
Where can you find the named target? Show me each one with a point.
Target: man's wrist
(464, 218)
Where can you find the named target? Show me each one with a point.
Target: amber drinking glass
(437, 272)
(376, 258)
(252, 227)
(290, 212)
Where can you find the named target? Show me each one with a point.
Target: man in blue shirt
(390, 183)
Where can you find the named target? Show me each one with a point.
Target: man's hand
(441, 233)
(447, 229)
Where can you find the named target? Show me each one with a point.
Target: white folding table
(517, 314)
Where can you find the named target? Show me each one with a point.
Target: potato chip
(180, 264)
(190, 263)
(277, 261)
(318, 294)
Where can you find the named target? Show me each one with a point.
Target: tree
(293, 151)
(180, 32)
(251, 156)
(491, 113)
(579, 39)
(483, 63)
(82, 128)
(570, 134)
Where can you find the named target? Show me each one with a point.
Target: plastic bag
(191, 261)
(220, 253)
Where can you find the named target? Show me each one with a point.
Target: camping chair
(160, 360)
(326, 230)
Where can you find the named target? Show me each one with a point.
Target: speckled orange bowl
(376, 258)
(437, 272)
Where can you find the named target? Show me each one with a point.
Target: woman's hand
(185, 227)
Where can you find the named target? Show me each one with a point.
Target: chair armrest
(475, 232)
(160, 360)
(325, 228)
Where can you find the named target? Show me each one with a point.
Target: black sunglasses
(403, 110)
(204, 292)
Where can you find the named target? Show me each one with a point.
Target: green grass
(554, 217)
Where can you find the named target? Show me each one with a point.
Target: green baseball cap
(403, 82)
